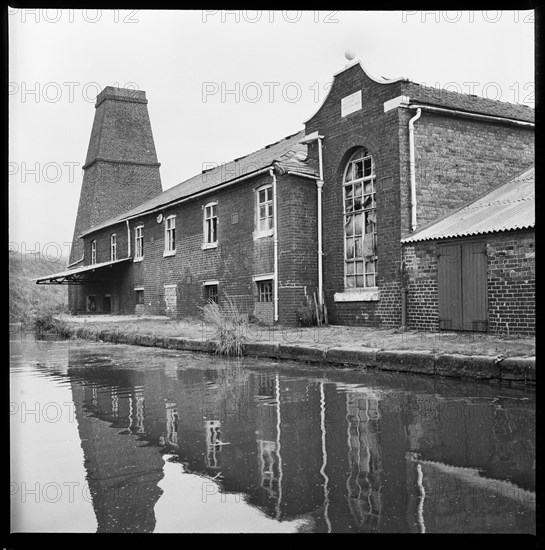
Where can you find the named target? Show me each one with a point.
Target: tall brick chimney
(121, 169)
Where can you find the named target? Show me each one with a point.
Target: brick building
(324, 216)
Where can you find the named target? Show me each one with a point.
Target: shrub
(45, 323)
(230, 324)
(307, 315)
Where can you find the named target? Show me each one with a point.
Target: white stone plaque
(351, 103)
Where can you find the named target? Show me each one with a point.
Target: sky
(220, 84)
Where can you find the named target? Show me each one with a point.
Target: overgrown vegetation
(229, 323)
(27, 300)
(307, 315)
(45, 323)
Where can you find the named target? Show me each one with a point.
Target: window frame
(206, 220)
(360, 154)
(261, 293)
(113, 247)
(259, 233)
(206, 288)
(93, 251)
(139, 251)
(170, 251)
(139, 290)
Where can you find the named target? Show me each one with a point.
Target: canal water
(115, 438)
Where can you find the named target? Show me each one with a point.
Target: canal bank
(474, 357)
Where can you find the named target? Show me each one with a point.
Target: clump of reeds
(230, 324)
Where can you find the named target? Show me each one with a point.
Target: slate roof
(419, 93)
(285, 154)
(507, 207)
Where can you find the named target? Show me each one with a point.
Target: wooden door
(462, 286)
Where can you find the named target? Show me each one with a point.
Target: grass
(45, 323)
(230, 324)
(27, 300)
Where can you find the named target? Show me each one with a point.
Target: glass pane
(359, 281)
(348, 190)
(367, 166)
(368, 187)
(262, 196)
(359, 247)
(270, 210)
(368, 202)
(358, 170)
(270, 223)
(348, 176)
(350, 281)
(350, 268)
(262, 212)
(349, 248)
(369, 280)
(349, 225)
(358, 224)
(269, 193)
(369, 267)
(358, 189)
(349, 206)
(359, 268)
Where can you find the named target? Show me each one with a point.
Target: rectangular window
(265, 220)
(93, 252)
(210, 224)
(264, 291)
(170, 235)
(113, 247)
(139, 242)
(211, 293)
(140, 297)
(91, 303)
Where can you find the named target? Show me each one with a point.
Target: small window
(93, 252)
(211, 293)
(264, 291)
(265, 220)
(113, 247)
(140, 297)
(210, 223)
(139, 242)
(170, 235)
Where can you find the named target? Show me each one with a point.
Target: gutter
(75, 263)
(275, 244)
(179, 201)
(466, 114)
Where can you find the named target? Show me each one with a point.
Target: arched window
(360, 221)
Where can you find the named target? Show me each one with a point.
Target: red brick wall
(456, 160)
(511, 283)
(234, 262)
(510, 277)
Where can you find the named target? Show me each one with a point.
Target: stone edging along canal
(476, 367)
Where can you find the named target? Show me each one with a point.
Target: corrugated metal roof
(286, 154)
(75, 271)
(510, 206)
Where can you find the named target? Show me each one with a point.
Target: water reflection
(327, 451)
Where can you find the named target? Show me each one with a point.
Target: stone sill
(206, 246)
(170, 253)
(138, 259)
(368, 295)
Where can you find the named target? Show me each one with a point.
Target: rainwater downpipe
(275, 244)
(412, 168)
(128, 239)
(319, 186)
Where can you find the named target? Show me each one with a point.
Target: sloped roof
(427, 95)
(69, 274)
(285, 154)
(507, 207)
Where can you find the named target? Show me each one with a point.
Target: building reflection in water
(337, 456)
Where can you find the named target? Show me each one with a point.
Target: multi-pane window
(140, 296)
(170, 234)
(113, 247)
(211, 293)
(139, 242)
(210, 223)
(264, 291)
(265, 220)
(93, 252)
(360, 221)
